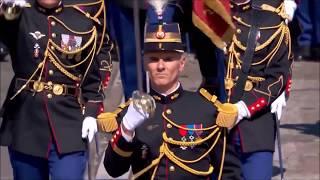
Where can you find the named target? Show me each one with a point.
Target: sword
(279, 147)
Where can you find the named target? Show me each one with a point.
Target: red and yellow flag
(213, 18)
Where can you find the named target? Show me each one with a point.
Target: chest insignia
(70, 42)
(37, 35)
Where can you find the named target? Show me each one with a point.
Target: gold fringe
(107, 122)
(227, 115)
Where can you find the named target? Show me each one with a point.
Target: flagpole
(138, 44)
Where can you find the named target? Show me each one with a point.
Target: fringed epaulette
(228, 112)
(107, 121)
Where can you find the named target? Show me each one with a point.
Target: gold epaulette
(107, 121)
(228, 112)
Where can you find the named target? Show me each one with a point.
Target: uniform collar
(166, 99)
(48, 11)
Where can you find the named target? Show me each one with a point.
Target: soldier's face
(164, 68)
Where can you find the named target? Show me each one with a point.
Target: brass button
(168, 111)
(49, 83)
(54, 35)
(169, 125)
(172, 168)
(238, 31)
(49, 96)
(50, 72)
(53, 23)
(52, 48)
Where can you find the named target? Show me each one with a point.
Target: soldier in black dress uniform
(61, 61)
(258, 71)
(182, 139)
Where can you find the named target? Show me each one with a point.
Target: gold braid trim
(165, 151)
(192, 143)
(239, 20)
(223, 152)
(187, 168)
(263, 45)
(155, 162)
(103, 9)
(40, 65)
(61, 69)
(94, 18)
(279, 10)
(91, 39)
(74, 65)
(92, 57)
(197, 159)
(283, 31)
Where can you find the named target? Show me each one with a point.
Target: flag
(213, 18)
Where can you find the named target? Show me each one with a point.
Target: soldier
(258, 72)
(61, 60)
(182, 138)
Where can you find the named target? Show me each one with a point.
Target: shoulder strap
(248, 54)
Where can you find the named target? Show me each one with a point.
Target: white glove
(133, 118)
(243, 111)
(89, 128)
(289, 7)
(278, 105)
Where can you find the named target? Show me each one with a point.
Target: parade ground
(300, 123)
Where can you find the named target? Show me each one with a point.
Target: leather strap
(248, 54)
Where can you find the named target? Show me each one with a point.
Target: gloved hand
(289, 7)
(89, 128)
(278, 105)
(133, 118)
(243, 112)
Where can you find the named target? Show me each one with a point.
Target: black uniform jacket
(61, 61)
(183, 108)
(269, 74)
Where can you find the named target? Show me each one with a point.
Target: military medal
(37, 35)
(198, 132)
(36, 50)
(190, 133)
(70, 42)
(183, 134)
